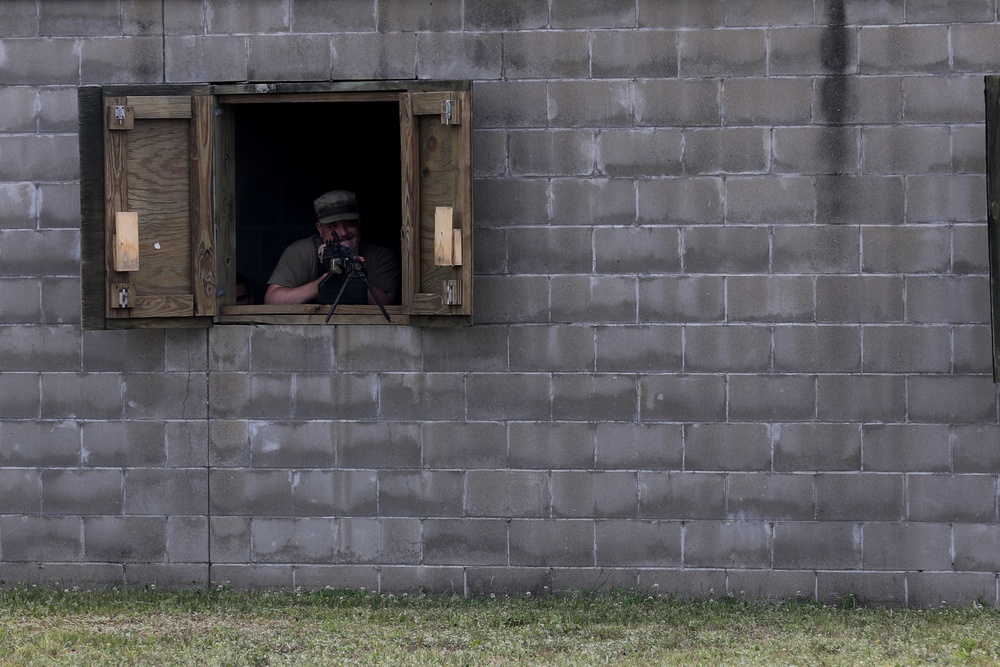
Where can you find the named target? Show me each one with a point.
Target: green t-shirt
(299, 265)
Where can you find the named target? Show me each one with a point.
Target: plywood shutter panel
(158, 165)
(437, 185)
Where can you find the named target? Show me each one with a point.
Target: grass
(219, 627)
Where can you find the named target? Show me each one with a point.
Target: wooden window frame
(436, 288)
(993, 209)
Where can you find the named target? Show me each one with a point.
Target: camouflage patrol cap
(336, 205)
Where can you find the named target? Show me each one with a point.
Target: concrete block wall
(731, 315)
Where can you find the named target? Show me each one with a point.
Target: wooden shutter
(993, 208)
(437, 202)
(158, 166)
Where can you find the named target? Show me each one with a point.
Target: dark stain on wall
(834, 98)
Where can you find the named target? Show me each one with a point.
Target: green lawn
(51, 627)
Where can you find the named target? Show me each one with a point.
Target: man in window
(299, 273)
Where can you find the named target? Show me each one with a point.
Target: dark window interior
(288, 154)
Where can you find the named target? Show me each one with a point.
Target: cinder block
(727, 348)
(943, 99)
(817, 545)
(970, 249)
(951, 399)
(592, 202)
(519, 15)
(231, 396)
(18, 205)
(770, 199)
(257, 493)
(811, 50)
(39, 348)
(187, 540)
(239, 577)
(804, 447)
(73, 19)
(860, 497)
(167, 576)
(289, 57)
(770, 586)
(730, 150)
(504, 396)
(727, 544)
(489, 154)
(668, 102)
(682, 299)
(974, 448)
(445, 16)
(335, 493)
(552, 445)
(907, 349)
(21, 395)
(133, 350)
(903, 49)
(511, 299)
(639, 153)
(295, 444)
(908, 447)
(640, 250)
(907, 546)
(730, 53)
(725, 446)
(951, 498)
(464, 445)
(507, 493)
(963, 11)
(772, 397)
(680, 13)
(680, 201)
(421, 396)
(601, 580)
(509, 580)
(20, 19)
(598, 494)
(816, 150)
(39, 62)
(629, 54)
(593, 299)
(22, 300)
(292, 540)
(762, 498)
(945, 198)
(420, 493)
(861, 12)
(229, 348)
(506, 104)
(20, 491)
(185, 350)
(906, 150)
(123, 444)
(490, 253)
(905, 249)
(378, 445)
(767, 100)
(345, 577)
(229, 539)
(335, 396)
(858, 100)
(817, 349)
(682, 495)
(968, 149)
(864, 398)
(871, 589)
(61, 298)
(287, 349)
(770, 298)
(636, 446)
(383, 541)
(197, 57)
(590, 103)
(549, 250)
(975, 547)
(423, 580)
(130, 60)
(38, 443)
(321, 16)
(629, 543)
(511, 202)
(725, 250)
(457, 55)
(465, 542)
(166, 396)
(859, 200)
(39, 539)
(555, 348)
(973, 49)
(540, 542)
(702, 584)
(42, 157)
(81, 492)
(537, 54)
(843, 299)
(807, 249)
(641, 349)
(682, 398)
(951, 589)
(551, 152)
(81, 396)
(395, 55)
(125, 539)
(592, 14)
(765, 13)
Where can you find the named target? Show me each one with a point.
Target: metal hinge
(451, 292)
(121, 295)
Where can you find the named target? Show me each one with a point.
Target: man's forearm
(279, 294)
